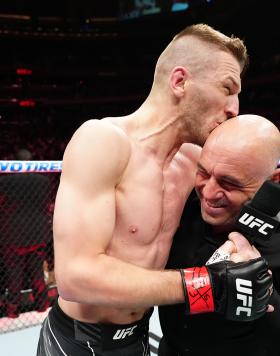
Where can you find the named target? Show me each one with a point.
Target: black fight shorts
(62, 335)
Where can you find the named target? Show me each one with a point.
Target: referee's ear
(275, 177)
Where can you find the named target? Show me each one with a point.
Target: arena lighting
(27, 103)
(24, 71)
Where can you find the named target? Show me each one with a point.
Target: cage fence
(27, 282)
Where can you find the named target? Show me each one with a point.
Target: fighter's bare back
(149, 202)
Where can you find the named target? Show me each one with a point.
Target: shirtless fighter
(124, 184)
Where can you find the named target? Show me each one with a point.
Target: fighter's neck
(162, 135)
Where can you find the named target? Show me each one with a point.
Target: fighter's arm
(84, 221)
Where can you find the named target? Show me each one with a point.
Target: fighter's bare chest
(149, 203)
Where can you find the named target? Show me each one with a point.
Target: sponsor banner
(30, 166)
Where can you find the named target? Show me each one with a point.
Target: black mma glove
(240, 291)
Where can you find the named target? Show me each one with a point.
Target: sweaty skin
(147, 202)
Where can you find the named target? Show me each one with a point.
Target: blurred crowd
(41, 147)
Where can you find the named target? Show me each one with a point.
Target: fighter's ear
(275, 177)
(178, 78)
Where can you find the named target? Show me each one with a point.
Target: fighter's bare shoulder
(96, 141)
(189, 153)
(105, 127)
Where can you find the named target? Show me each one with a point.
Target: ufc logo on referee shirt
(252, 222)
(122, 333)
(244, 287)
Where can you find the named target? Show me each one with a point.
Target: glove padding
(240, 291)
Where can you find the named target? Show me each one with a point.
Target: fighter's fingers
(248, 252)
(255, 252)
(238, 257)
(239, 241)
(228, 247)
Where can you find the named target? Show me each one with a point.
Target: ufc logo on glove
(244, 287)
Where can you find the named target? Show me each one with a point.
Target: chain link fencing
(27, 282)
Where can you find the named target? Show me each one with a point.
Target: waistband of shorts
(68, 325)
(61, 321)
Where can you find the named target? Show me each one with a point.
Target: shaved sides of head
(208, 35)
(194, 47)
